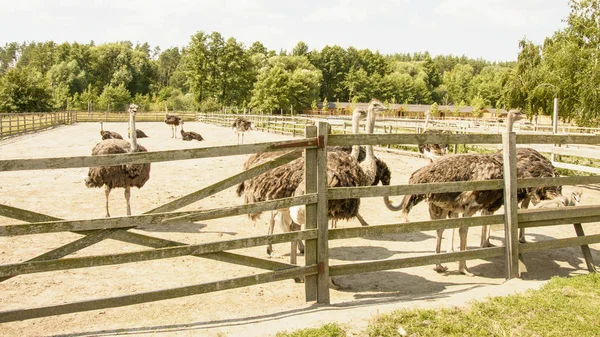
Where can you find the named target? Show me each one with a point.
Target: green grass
(563, 307)
(327, 330)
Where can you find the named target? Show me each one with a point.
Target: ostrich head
(511, 117)
(576, 195)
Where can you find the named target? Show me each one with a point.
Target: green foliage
(210, 104)
(478, 103)
(114, 98)
(24, 90)
(434, 110)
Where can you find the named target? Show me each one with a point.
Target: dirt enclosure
(260, 310)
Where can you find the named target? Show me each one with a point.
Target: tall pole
(554, 126)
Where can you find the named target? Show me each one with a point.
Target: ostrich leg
(524, 205)
(270, 232)
(436, 213)
(485, 232)
(462, 233)
(107, 192)
(127, 196)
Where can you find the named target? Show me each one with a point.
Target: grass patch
(562, 307)
(327, 330)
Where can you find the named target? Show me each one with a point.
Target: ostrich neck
(355, 126)
(369, 165)
(510, 121)
(134, 145)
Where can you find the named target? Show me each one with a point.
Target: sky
(488, 29)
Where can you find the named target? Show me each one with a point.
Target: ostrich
(562, 201)
(530, 164)
(432, 151)
(108, 134)
(460, 167)
(138, 133)
(240, 126)
(173, 121)
(126, 176)
(190, 135)
(282, 181)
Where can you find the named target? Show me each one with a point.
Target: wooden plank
(555, 222)
(577, 152)
(138, 220)
(113, 302)
(8, 270)
(367, 267)
(423, 138)
(244, 209)
(151, 157)
(575, 167)
(558, 181)
(310, 249)
(24, 215)
(409, 227)
(226, 183)
(511, 225)
(585, 249)
(379, 191)
(89, 239)
(528, 215)
(559, 243)
(322, 218)
(150, 241)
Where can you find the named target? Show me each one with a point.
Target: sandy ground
(260, 310)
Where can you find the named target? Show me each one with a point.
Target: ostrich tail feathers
(240, 189)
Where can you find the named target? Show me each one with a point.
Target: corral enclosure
(62, 194)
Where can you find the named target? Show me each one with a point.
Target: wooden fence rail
(317, 269)
(15, 124)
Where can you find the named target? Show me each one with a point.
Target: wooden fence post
(511, 225)
(322, 217)
(310, 249)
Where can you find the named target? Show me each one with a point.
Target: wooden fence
(122, 116)
(316, 270)
(14, 124)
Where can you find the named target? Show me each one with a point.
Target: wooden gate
(316, 270)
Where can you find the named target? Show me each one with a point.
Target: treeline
(212, 71)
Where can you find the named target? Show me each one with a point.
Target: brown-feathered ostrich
(173, 121)
(432, 151)
(125, 176)
(191, 135)
(108, 134)
(283, 181)
(530, 164)
(240, 126)
(460, 167)
(138, 133)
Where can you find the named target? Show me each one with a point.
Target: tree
(301, 49)
(24, 90)
(434, 110)
(114, 98)
(478, 104)
(457, 82)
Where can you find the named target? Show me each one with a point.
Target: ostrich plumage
(124, 176)
(108, 134)
(173, 121)
(240, 126)
(530, 164)
(462, 167)
(138, 133)
(283, 181)
(434, 151)
(191, 135)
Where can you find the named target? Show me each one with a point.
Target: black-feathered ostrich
(460, 167)
(125, 176)
(191, 135)
(108, 134)
(173, 121)
(283, 181)
(240, 126)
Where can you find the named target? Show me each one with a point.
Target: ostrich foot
(440, 269)
(300, 247)
(450, 250)
(522, 240)
(334, 285)
(299, 279)
(486, 244)
(462, 268)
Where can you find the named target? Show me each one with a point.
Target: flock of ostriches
(355, 166)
